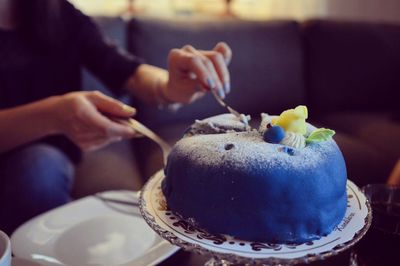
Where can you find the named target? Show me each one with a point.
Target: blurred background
(366, 10)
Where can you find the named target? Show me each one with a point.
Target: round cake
(272, 185)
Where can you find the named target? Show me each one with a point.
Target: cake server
(142, 129)
(242, 118)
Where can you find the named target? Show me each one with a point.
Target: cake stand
(226, 250)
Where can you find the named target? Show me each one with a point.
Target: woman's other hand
(80, 117)
(192, 72)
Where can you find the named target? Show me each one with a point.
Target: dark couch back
(266, 70)
(352, 66)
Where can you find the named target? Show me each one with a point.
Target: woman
(45, 121)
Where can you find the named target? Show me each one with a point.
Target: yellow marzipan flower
(293, 120)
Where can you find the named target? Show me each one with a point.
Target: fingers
(108, 128)
(103, 126)
(109, 105)
(225, 50)
(84, 122)
(216, 70)
(196, 70)
(222, 49)
(220, 67)
(189, 64)
(96, 136)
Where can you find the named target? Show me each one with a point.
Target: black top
(31, 72)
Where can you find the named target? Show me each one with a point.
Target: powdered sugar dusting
(249, 148)
(223, 139)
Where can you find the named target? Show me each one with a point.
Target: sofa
(345, 72)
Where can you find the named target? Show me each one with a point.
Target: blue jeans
(33, 179)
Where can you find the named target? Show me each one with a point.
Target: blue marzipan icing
(237, 184)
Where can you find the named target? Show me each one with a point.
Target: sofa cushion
(352, 66)
(266, 70)
(369, 141)
(379, 130)
(365, 164)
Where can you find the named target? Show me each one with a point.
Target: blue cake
(257, 185)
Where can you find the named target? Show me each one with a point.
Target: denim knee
(33, 179)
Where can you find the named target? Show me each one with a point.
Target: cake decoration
(320, 134)
(274, 134)
(294, 140)
(294, 129)
(245, 119)
(265, 120)
(293, 120)
(287, 150)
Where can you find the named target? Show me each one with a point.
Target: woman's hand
(80, 117)
(193, 72)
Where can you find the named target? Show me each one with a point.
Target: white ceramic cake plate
(222, 247)
(91, 231)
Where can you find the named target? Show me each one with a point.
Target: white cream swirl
(294, 140)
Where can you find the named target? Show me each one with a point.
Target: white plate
(91, 232)
(183, 233)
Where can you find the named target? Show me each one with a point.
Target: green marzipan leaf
(320, 134)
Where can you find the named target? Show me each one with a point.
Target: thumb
(106, 104)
